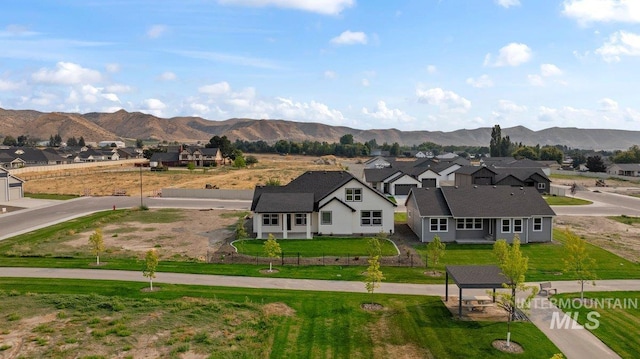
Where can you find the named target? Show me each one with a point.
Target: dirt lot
(107, 180)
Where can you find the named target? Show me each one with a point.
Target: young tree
(191, 166)
(435, 251)
(374, 276)
(514, 267)
(97, 244)
(239, 161)
(150, 266)
(578, 260)
(272, 249)
(241, 232)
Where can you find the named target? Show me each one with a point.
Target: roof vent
(475, 186)
(456, 187)
(521, 188)
(512, 193)
(494, 186)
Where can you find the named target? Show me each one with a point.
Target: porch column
(308, 221)
(285, 216)
(259, 225)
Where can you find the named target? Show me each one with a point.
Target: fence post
(282, 258)
(412, 261)
(348, 257)
(298, 259)
(256, 258)
(322, 258)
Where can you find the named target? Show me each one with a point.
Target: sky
(407, 64)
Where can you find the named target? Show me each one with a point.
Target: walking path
(574, 343)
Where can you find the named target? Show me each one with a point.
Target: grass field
(618, 324)
(626, 219)
(53, 196)
(318, 247)
(565, 201)
(106, 319)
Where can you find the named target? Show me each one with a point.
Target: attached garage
(403, 189)
(429, 183)
(10, 186)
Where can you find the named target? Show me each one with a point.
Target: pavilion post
(460, 303)
(446, 286)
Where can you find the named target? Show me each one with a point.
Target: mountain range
(123, 125)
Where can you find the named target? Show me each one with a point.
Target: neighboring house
(10, 186)
(168, 159)
(116, 144)
(401, 176)
(515, 177)
(29, 156)
(378, 162)
(624, 169)
(478, 213)
(128, 153)
(323, 202)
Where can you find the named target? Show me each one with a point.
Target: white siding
(341, 220)
(429, 174)
(406, 179)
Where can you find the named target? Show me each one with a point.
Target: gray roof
(285, 202)
(481, 202)
(627, 166)
(521, 173)
(477, 276)
(469, 170)
(165, 157)
(372, 175)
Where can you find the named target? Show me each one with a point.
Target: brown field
(107, 180)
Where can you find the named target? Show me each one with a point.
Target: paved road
(574, 343)
(46, 213)
(604, 204)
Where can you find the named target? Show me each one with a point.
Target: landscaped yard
(108, 319)
(317, 247)
(565, 201)
(618, 321)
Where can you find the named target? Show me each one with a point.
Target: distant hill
(123, 125)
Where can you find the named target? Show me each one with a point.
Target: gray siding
(542, 236)
(448, 236)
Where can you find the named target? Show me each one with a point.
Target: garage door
(15, 193)
(428, 183)
(403, 189)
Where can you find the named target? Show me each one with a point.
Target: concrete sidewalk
(574, 343)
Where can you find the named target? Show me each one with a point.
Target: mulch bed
(512, 348)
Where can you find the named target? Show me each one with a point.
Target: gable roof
(372, 175)
(627, 166)
(481, 202)
(285, 202)
(470, 170)
(320, 184)
(339, 201)
(8, 174)
(521, 173)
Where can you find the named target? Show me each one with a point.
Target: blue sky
(412, 65)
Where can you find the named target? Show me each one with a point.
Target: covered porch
(284, 225)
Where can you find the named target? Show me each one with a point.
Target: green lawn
(546, 260)
(618, 324)
(317, 247)
(565, 201)
(626, 219)
(109, 314)
(400, 217)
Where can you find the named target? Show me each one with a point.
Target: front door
(288, 221)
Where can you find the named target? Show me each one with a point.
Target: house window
(371, 218)
(542, 185)
(517, 225)
(353, 194)
(469, 223)
(325, 217)
(506, 225)
(301, 219)
(537, 224)
(438, 225)
(270, 219)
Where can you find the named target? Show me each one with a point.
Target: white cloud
(43, 99)
(330, 75)
(156, 31)
(67, 73)
(325, 7)
(535, 80)
(588, 11)
(153, 106)
(513, 54)
(112, 68)
(382, 112)
(118, 88)
(481, 82)
(506, 106)
(303, 111)
(168, 76)
(6, 85)
(548, 70)
(229, 59)
(607, 104)
(507, 3)
(350, 38)
(216, 89)
(446, 100)
(365, 82)
(620, 43)
(432, 69)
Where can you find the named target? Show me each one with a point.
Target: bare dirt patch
(193, 237)
(278, 309)
(618, 238)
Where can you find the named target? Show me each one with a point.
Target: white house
(10, 186)
(321, 202)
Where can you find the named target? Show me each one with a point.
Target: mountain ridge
(99, 126)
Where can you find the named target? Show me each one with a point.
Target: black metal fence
(295, 259)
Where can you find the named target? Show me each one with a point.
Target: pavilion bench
(546, 287)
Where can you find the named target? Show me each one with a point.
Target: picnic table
(477, 302)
